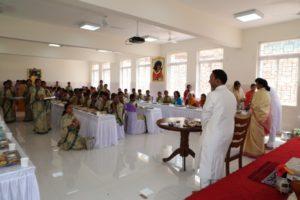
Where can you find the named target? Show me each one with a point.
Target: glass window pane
(208, 61)
(280, 48)
(106, 74)
(204, 75)
(125, 75)
(178, 58)
(143, 78)
(211, 54)
(144, 61)
(95, 75)
(177, 78)
(281, 70)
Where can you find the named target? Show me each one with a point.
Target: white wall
(15, 67)
(241, 64)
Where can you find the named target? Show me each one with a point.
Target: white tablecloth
(174, 111)
(16, 182)
(103, 127)
(151, 115)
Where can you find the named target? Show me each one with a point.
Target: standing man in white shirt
(218, 125)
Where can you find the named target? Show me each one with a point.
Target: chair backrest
(240, 131)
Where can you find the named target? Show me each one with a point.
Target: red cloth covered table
(239, 186)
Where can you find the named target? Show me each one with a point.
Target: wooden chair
(235, 150)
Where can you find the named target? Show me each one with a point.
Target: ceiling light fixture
(249, 15)
(90, 27)
(103, 51)
(54, 45)
(149, 38)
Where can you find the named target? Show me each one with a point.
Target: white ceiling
(72, 13)
(275, 11)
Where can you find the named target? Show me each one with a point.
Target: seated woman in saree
(159, 98)
(131, 106)
(177, 99)
(260, 120)
(117, 109)
(93, 102)
(121, 97)
(191, 100)
(87, 98)
(8, 104)
(140, 95)
(77, 99)
(148, 97)
(70, 126)
(39, 109)
(167, 99)
(202, 100)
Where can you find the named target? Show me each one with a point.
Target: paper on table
(49, 98)
(294, 165)
(164, 124)
(146, 192)
(57, 174)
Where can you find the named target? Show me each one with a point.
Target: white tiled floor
(113, 173)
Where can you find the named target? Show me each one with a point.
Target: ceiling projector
(136, 40)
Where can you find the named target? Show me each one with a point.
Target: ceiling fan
(106, 24)
(170, 39)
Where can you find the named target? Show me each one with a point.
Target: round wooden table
(184, 149)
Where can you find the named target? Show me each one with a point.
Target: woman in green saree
(29, 90)
(70, 139)
(39, 109)
(47, 104)
(8, 104)
(117, 109)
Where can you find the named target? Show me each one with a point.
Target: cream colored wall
(15, 67)
(241, 64)
(37, 49)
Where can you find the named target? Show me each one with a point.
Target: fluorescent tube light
(249, 15)
(54, 45)
(90, 27)
(150, 38)
(103, 51)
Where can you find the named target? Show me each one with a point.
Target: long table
(239, 186)
(17, 182)
(175, 111)
(151, 115)
(102, 127)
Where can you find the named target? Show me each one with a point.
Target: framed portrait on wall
(158, 69)
(34, 73)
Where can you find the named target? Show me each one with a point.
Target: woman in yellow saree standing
(70, 139)
(260, 120)
(39, 109)
(8, 104)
